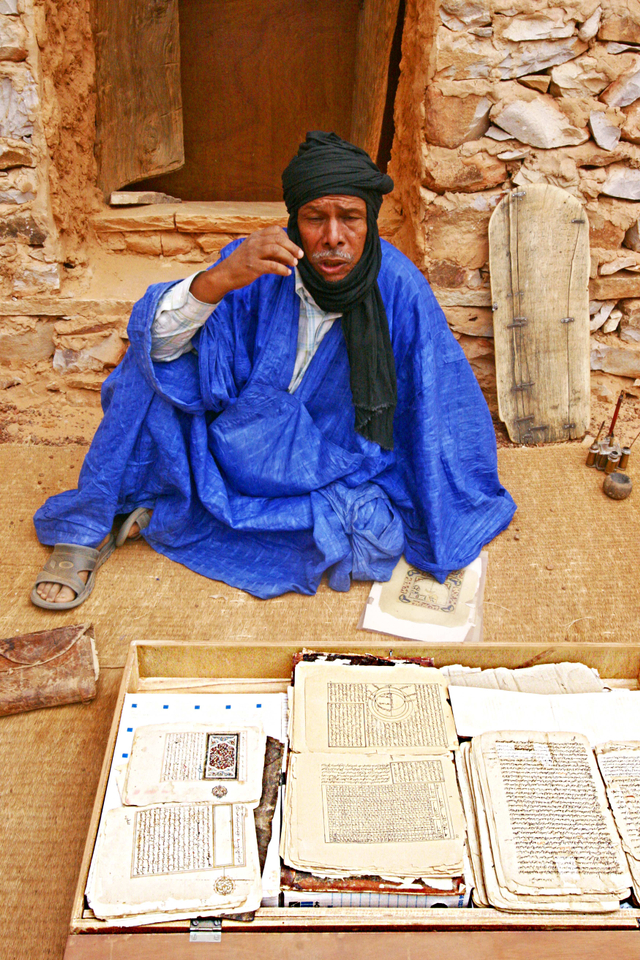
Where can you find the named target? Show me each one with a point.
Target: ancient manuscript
(552, 678)
(619, 765)
(371, 787)
(345, 708)
(611, 715)
(175, 858)
(546, 837)
(414, 604)
(394, 816)
(195, 762)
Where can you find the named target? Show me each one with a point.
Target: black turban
(326, 165)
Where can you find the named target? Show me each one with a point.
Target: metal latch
(205, 930)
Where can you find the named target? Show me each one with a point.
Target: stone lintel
(157, 216)
(462, 298)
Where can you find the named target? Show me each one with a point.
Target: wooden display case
(319, 933)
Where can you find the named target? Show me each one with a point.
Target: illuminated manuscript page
(176, 858)
(371, 709)
(549, 824)
(396, 816)
(195, 762)
(413, 604)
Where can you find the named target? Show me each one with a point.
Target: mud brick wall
(498, 94)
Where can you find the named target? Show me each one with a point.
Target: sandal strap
(68, 560)
(141, 516)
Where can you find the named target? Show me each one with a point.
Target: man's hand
(265, 251)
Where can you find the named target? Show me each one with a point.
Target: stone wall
(493, 94)
(498, 94)
(29, 248)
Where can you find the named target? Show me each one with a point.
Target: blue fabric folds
(266, 490)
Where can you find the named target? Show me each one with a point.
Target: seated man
(254, 438)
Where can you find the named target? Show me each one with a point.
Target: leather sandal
(63, 566)
(141, 516)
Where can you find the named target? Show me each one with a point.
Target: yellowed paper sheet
(496, 892)
(549, 678)
(415, 605)
(186, 858)
(598, 716)
(473, 839)
(371, 709)
(619, 764)
(413, 595)
(195, 762)
(396, 816)
(550, 826)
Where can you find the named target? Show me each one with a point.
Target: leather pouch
(47, 669)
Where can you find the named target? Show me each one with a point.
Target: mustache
(331, 255)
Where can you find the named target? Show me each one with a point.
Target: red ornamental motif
(222, 755)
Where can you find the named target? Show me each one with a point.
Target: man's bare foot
(57, 593)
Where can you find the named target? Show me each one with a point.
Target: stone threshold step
(192, 217)
(232, 218)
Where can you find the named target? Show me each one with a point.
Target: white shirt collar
(304, 294)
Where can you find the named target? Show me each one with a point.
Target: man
(299, 408)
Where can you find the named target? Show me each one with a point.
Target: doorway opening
(220, 120)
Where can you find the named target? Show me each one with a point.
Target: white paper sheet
(611, 715)
(139, 709)
(449, 613)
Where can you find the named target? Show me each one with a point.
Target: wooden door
(139, 107)
(377, 25)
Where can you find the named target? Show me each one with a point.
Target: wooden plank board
(374, 945)
(376, 26)
(139, 103)
(539, 260)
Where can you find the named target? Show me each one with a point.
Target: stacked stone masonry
(518, 92)
(29, 248)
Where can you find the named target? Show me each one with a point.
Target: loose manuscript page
(619, 765)
(550, 678)
(175, 858)
(611, 715)
(195, 762)
(371, 709)
(462, 761)
(415, 605)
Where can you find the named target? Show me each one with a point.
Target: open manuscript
(184, 841)
(371, 786)
(541, 835)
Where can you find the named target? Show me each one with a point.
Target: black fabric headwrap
(326, 165)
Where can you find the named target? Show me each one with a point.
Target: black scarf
(326, 165)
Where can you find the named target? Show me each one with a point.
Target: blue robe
(267, 490)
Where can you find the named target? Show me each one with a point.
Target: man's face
(333, 231)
